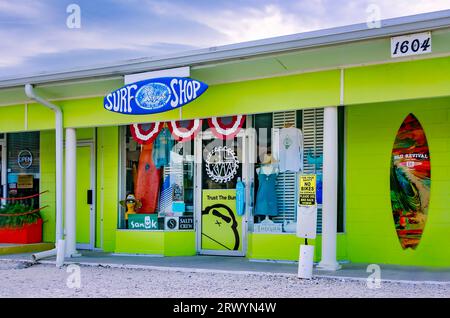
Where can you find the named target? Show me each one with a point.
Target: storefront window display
(285, 149)
(23, 166)
(159, 174)
(161, 160)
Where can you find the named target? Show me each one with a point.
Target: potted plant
(20, 224)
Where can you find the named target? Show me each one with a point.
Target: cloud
(35, 36)
(21, 9)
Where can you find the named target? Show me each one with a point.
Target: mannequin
(268, 165)
(266, 200)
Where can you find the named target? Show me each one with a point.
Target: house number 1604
(414, 44)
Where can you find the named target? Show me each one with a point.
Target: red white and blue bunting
(145, 133)
(226, 130)
(185, 130)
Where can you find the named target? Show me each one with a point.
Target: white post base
(333, 266)
(306, 261)
(60, 252)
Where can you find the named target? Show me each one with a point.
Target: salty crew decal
(155, 95)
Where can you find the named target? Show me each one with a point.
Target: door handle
(89, 197)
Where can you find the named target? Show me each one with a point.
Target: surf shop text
(153, 96)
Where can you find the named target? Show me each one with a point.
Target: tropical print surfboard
(410, 182)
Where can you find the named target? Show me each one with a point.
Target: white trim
(198, 159)
(342, 97)
(93, 171)
(4, 167)
(122, 173)
(172, 72)
(199, 191)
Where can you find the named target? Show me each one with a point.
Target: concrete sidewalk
(240, 265)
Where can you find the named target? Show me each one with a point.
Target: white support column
(71, 191)
(330, 182)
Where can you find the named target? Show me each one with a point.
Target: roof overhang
(268, 52)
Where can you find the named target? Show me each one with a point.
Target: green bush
(15, 221)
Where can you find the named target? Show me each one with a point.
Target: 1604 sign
(414, 44)
(154, 95)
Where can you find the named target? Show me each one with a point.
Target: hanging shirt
(162, 147)
(290, 149)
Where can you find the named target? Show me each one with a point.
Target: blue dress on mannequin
(266, 198)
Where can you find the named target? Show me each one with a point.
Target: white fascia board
(173, 72)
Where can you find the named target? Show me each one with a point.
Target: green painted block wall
(48, 177)
(12, 118)
(397, 81)
(90, 112)
(371, 131)
(287, 247)
(177, 243)
(139, 242)
(40, 117)
(180, 243)
(107, 186)
(47, 183)
(270, 94)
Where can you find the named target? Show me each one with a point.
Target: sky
(45, 36)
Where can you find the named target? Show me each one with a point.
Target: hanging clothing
(162, 148)
(291, 150)
(266, 198)
(240, 197)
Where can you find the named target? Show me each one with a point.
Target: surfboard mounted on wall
(410, 182)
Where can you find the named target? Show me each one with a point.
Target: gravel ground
(39, 280)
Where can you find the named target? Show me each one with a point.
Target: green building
(347, 90)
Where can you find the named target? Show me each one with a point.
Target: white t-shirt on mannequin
(290, 149)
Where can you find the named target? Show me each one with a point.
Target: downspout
(59, 252)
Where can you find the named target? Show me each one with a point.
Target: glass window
(159, 181)
(275, 191)
(23, 166)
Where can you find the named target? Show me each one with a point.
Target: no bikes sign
(307, 190)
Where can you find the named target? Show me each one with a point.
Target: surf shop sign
(154, 95)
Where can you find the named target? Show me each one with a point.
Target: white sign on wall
(413, 44)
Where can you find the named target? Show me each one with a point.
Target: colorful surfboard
(410, 182)
(148, 179)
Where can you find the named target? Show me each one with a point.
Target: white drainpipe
(29, 91)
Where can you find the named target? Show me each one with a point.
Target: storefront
(219, 174)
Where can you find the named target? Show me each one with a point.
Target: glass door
(3, 172)
(221, 165)
(85, 221)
